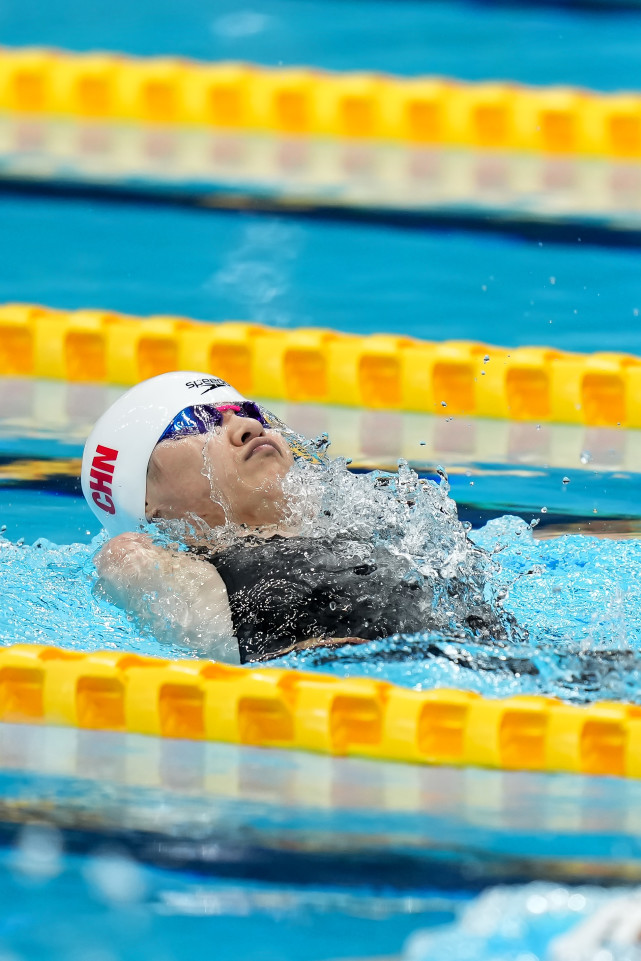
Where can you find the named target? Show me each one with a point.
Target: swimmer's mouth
(259, 442)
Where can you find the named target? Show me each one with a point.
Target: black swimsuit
(284, 590)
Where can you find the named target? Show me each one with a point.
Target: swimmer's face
(235, 472)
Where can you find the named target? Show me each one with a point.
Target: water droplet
(422, 443)
(443, 403)
(482, 373)
(486, 358)
(594, 510)
(585, 457)
(471, 483)
(544, 510)
(566, 480)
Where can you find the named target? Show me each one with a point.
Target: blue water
(66, 908)
(212, 266)
(474, 41)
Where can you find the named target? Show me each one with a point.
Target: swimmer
(186, 451)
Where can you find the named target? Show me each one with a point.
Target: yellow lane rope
(327, 367)
(304, 101)
(268, 707)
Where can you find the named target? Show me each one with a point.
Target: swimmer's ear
(150, 518)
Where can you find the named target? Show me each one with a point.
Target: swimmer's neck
(205, 537)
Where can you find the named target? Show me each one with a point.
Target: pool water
(272, 270)
(106, 905)
(116, 848)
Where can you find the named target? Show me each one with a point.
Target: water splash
(576, 598)
(423, 570)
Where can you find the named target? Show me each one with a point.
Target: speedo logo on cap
(209, 383)
(101, 478)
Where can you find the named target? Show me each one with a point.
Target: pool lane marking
(321, 366)
(309, 102)
(271, 707)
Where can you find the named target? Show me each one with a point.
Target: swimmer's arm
(177, 596)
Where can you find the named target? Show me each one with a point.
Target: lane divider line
(303, 101)
(270, 707)
(314, 365)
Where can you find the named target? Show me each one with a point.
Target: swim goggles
(202, 418)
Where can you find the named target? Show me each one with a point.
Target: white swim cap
(117, 452)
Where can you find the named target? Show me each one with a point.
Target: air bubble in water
(486, 358)
(544, 510)
(566, 481)
(443, 403)
(585, 457)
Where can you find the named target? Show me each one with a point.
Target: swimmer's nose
(241, 430)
